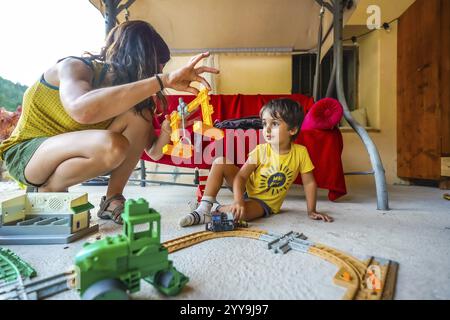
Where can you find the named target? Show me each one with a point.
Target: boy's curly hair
(288, 110)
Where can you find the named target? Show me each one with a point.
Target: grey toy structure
(284, 243)
(45, 218)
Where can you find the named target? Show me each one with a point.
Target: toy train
(114, 266)
(221, 221)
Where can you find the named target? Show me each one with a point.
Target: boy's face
(275, 130)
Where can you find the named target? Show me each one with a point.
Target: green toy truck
(110, 268)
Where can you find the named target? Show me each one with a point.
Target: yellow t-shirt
(275, 173)
(43, 114)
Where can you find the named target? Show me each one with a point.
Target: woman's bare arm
(89, 106)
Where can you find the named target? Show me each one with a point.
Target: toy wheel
(165, 278)
(108, 289)
(170, 282)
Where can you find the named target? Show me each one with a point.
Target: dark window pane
(304, 66)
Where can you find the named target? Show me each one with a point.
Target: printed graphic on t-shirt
(276, 179)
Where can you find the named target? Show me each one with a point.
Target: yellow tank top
(43, 114)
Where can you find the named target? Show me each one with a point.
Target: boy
(261, 185)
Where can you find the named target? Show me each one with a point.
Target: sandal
(116, 213)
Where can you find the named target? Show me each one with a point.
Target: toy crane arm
(204, 127)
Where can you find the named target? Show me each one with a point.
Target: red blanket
(324, 146)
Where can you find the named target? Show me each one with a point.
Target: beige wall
(378, 92)
(369, 77)
(390, 10)
(248, 73)
(253, 74)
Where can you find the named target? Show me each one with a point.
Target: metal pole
(327, 5)
(143, 172)
(318, 56)
(110, 14)
(332, 83)
(377, 165)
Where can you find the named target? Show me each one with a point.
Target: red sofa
(324, 146)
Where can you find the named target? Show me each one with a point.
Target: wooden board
(445, 167)
(445, 77)
(419, 110)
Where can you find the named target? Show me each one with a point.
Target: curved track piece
(12, 267)
(197, 237)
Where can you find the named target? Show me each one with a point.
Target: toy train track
(14, 283)
(39, 289)
(353, 274)
(197, 237)
(12, 267)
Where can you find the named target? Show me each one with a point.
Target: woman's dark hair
(288, 110)
(135, 51)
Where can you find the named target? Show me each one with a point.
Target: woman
(89, 116)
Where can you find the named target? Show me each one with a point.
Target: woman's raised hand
(182, 78)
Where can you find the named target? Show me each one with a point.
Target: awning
(225, 24)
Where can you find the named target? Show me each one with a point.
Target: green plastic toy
(114, 266)
(12, 267)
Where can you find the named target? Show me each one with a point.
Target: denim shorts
(17, 157)
(265, 206)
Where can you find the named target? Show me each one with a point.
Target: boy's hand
(238, 209)
(320, 216)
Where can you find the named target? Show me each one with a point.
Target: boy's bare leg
(221, 169)
(253, 210)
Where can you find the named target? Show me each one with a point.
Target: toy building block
(179, 149)
(207, 131)
(204, 127)
(112, 267)
(175, 119)
(45, 218)
(207, 110)
(346, 276)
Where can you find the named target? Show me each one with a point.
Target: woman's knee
(114, 149)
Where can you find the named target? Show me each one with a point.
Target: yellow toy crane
(204, 127)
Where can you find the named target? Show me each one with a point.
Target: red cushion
(324, 114)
